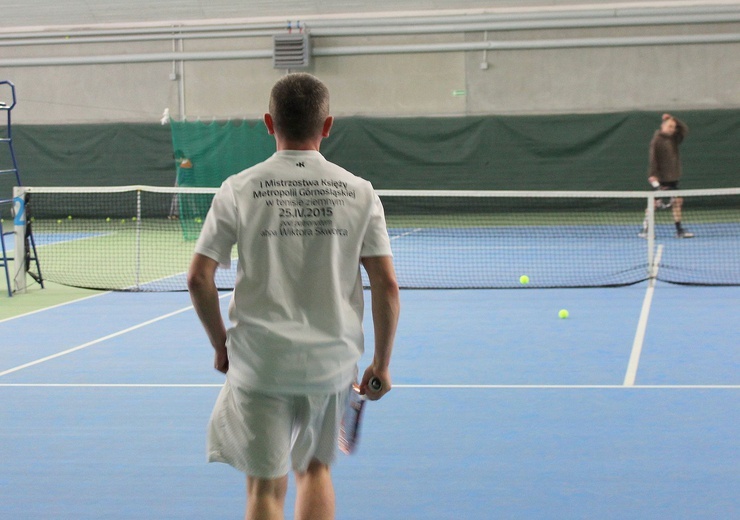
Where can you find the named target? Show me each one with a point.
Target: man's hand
(383, 376)
(221, 360)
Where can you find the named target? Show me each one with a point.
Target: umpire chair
(7, 204)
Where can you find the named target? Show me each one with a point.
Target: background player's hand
(654, 181)
(383, 376)
(221, 360)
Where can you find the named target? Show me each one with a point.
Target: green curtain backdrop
(207, 153)
(557, 152)
(553, 152)
(94, 155)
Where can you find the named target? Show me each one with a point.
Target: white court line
(634, 362)
(407, 233)
(100, 340)
(569, 387)
(424, 387)
(54, 306)
(110, 385)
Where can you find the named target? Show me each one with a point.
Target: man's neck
(283, 145)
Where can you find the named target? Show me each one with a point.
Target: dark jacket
(665, 162)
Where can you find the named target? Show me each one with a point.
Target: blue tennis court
(531, 157)
(500, 410)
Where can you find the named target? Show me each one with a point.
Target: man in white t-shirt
(302, 226)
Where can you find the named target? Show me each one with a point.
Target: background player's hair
(299, 105)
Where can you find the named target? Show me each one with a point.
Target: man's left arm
(204, 295)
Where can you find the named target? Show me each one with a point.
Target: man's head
(668, 126)
(299, 107)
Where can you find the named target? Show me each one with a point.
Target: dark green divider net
(538, 152)
(591, 152)
(208, 153)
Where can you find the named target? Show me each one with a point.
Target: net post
(20, 223)
(650, 215)
(138, 239)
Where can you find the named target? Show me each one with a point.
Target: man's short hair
(299, 105)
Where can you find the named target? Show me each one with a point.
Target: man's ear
(326, 130)
(270, 124)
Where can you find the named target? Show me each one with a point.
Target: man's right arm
(386, 307)
(204, 295)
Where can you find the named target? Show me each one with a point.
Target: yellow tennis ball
(107, 219)
(563, 314)
(524, 279)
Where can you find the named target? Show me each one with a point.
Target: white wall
(660, 77)
(574, 80)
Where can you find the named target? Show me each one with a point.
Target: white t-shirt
(301, 225)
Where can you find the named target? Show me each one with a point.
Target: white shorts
(264, 435)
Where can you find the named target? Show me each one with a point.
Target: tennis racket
(349, 431)
(664, 202)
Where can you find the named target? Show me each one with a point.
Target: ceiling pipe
(594, 23)
(499, 21)
(565, 43)
(397, 30)
(153, 57)
(67, 40)
(381, 49)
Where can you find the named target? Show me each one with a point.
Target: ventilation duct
(291, 51)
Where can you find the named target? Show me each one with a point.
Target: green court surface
(37, 298)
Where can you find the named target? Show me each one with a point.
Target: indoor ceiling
(45, 13)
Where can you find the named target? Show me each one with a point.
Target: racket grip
(375, 384)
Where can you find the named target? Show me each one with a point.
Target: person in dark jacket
(664, 170)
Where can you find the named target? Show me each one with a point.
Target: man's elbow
(197, 280)
(389, 286)
(202, 273)
(382, 275)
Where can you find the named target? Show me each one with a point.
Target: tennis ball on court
(59, 221)
(69, 217)
(198, 220)
(524, 279)
(563, 314)
(107, 219)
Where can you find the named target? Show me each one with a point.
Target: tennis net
(141, 238)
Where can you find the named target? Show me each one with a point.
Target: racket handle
(375, 384)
